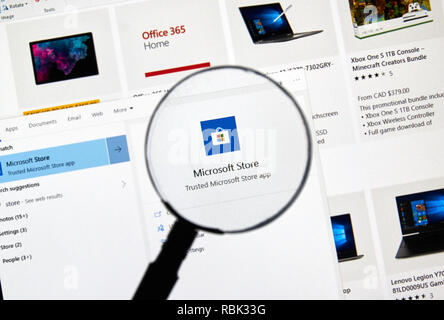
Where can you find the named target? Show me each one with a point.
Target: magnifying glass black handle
(161, 275)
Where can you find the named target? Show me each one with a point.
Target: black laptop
(421, 216)
(344, 238)
(266, 24)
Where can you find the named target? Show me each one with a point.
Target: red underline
(178, 69)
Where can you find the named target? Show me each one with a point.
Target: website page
(385, 185)
(367, 73)
(80, 218)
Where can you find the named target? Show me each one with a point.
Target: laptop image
(421, 216)
(64, 58)
(344, 238)
(267, 24)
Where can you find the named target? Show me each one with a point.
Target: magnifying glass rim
(298, 190)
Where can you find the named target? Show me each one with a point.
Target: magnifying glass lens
(228, 149)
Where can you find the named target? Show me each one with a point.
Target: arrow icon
(123, 184)
(118, 149)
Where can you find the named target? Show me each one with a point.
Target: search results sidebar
(69, 214)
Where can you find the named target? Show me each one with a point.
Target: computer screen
(79, 75)
(344, 237)
(263, 21)
(420, 212)
(64, 58)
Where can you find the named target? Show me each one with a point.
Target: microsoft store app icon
(220, 135)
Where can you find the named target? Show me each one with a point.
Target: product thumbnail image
(375, 17)
(421, 216)
(344, 238)
(268, 23)
(63, 58)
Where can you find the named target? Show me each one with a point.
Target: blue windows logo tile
(220, 135)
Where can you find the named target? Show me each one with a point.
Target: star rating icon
(369, 76)
(415, 297)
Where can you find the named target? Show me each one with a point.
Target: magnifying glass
(228, 150)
